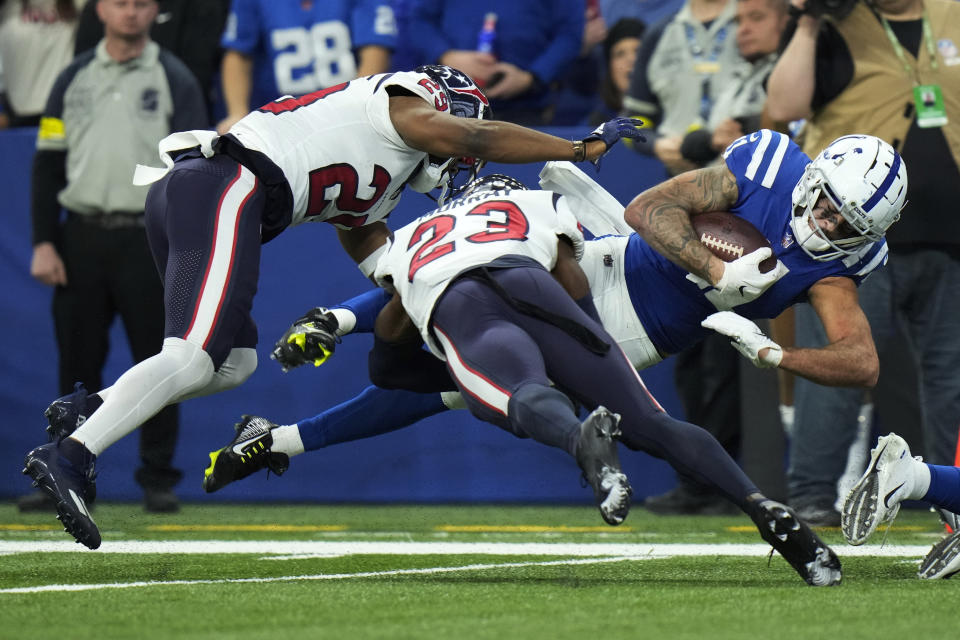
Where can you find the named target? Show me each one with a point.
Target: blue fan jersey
(767, 166)
(298, 47)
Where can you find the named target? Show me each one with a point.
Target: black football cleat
(816, 563)
(68, 483)
(249, 451)
(598, 459)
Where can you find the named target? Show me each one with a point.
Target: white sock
(286, 439)
(347, 320)
(921, 480)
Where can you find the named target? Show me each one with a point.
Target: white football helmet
(865, 179)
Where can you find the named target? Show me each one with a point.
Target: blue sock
(366, 306)
(369, 414)
(944, 488)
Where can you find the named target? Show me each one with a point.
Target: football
(730, 237)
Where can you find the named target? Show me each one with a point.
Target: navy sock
(371, 413)
(944, 488)
(366, 306)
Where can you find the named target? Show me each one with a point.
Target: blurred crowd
(543, 62)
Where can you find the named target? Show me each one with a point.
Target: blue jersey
(300, 47)
(767, 166)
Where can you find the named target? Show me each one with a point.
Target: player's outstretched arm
(850, 357)
(446, 136)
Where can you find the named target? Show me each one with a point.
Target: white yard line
(322, 576)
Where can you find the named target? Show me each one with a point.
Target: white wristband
(369, 264)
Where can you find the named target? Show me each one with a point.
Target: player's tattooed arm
(661, 215)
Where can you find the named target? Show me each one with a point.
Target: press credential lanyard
(927, 98)
(706, 67)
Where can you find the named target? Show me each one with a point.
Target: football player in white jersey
(340, 155)
(473, 278)
(486, 250)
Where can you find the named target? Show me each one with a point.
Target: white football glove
(742, 280)
(746, 338)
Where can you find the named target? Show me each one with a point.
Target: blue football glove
(612, 130)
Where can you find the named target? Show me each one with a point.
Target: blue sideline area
(449, 458)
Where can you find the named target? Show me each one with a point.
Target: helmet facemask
(442, 173)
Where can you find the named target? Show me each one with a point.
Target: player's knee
(537, 399)
(239, 365)
(190, 366)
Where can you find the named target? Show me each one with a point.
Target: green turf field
(502, 572)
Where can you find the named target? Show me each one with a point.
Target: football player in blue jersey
(294, 48)
(825, 220)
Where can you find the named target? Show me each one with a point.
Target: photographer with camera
(873, 68)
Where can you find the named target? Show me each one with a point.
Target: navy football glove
(312, 338)
(612, 130)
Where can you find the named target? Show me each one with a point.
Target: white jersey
(338, 149)
(431, 251)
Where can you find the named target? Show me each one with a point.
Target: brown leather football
(729, 237)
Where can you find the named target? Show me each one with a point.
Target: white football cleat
(875, 498)
(943, 560)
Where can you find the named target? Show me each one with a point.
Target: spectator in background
(683, 65)
(534, 43)
(620, 55)
(124, 96)
(294, 47)
(576, 89)
(183, 27)
(36, 43)
(865, 72)
(739, 106)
